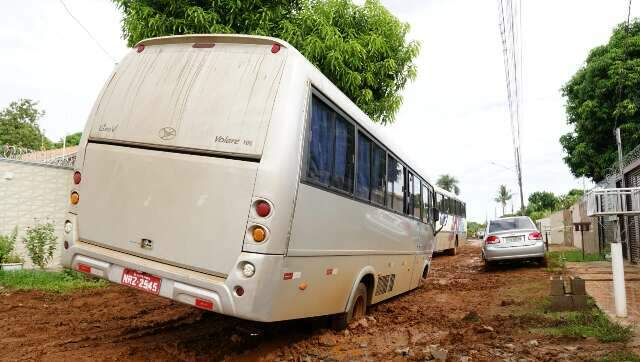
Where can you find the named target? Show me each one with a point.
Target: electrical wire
(510, 23)
(87, 31)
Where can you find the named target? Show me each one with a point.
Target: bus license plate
(142, 281)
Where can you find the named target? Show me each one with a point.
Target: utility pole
(519, 171)
(617, 264)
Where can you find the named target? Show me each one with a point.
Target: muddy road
(462, 313)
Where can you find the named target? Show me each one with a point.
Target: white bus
(228, 173)
(451, 226)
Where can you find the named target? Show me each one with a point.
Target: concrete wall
(31, 193)
(558, 232)
(579, 215)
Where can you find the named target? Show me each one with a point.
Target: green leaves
(603, 95)
(40, 242)
(361, 49)
(19, 125)
(449, 183)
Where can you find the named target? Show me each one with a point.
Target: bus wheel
(453, 251)
(357, 310)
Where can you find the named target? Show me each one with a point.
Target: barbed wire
(54, 157)
(613, 172)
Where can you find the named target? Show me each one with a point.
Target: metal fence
(61, 157)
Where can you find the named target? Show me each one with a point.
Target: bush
(7, 244)
(40, 242)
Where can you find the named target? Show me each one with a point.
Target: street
(463, 313)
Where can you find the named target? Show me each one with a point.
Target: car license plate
(143, 281)
(514, 239)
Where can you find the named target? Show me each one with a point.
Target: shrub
(7, 244)
(40, 242)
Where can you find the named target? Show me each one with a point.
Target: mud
(462, 313)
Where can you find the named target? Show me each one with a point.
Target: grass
(556, 259)
(574, 255)
(591, 322)
(57, 282)
(621, 356)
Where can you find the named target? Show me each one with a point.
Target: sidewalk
(599, 284)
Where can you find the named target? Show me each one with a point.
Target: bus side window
(395, 185)
(378, 172)
(409, 192)
(425, 203)
(363, 178)
(343, 165)
(417, 198)
(321, 143)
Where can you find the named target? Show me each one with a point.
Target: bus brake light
(263, 209)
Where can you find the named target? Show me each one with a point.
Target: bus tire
(453, 251)
(357, 309)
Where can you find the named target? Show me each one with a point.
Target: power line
(509, 23)
(87, 31)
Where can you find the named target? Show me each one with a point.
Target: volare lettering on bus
(227, 139)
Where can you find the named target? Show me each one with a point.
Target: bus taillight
(263, 209)
(258, 233)
(77, 177)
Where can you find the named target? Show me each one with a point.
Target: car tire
(542, 261)
(488, 265)
(357, 309)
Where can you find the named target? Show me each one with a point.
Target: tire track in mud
(462, 309)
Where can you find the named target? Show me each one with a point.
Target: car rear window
(510, 224)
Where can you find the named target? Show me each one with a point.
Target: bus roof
(447, 193)
(321, 82)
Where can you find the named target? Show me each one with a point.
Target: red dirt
(461, 309)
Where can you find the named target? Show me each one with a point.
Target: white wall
(31, 192)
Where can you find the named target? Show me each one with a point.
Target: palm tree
(448, 183)
(503, 196)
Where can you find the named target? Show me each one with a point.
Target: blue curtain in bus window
(321, 143)
(378, 171)
(344, 155)
(363, 180)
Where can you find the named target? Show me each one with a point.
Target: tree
(19, 125)
(360, 48)
(449, 183)
(503, 196)
(566, 201)
(602, 95)
(542, 200)
(71, 140)
(473, 227)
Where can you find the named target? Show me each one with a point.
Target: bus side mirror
(435, 213)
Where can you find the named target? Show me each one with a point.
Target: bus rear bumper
(197, 289)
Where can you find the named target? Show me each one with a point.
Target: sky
(454, 118)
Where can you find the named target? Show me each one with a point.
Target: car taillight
(492, 240)
(535, 236)
(263, 209)
(77, 177)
